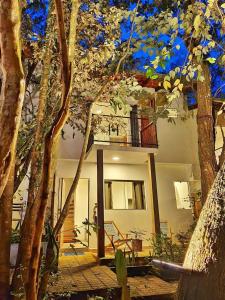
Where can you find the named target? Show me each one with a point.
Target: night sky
(38, 11)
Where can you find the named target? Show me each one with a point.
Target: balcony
(123, 131)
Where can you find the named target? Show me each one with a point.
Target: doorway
(78, 213)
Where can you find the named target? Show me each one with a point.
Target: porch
(110, 190)
(80, 277)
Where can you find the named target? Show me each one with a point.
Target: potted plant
(137, 239)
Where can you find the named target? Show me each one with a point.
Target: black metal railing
(124, 131)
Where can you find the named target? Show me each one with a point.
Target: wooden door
(148, 130)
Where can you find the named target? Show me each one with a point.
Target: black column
(134, 126)
(100, 208)
(151, 162)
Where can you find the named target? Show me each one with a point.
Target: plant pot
(13, 254)
(137, 245)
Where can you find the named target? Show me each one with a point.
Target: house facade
(143, 177)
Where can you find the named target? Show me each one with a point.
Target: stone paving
(82, 273)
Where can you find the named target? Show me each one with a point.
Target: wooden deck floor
(81, 275)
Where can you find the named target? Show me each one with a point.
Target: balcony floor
(126, 154)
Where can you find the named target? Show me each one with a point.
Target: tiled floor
(82, 273)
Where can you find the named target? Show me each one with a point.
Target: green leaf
(155, 76)
(223, 5)
(149, 72)
(211, 60)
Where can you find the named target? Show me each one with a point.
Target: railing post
(134, 127)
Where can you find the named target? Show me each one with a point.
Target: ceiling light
(115, 158)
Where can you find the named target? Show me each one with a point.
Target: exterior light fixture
(116, 158)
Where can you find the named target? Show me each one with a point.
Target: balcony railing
(123, 131)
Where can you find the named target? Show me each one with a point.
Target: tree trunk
(207, 158)
(28, 226)
(5, 234)
(206, 255)
(50, 141)
(20, 174)
(64, 213)
(13, 85)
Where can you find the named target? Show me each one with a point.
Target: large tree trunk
(205, 124)
(206, 252)
(28, 226)
(5, 234)
(13, 85)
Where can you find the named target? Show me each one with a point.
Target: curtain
(108, 195)
(134, 197)
(138, 195)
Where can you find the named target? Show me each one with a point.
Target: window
(182, 193)
(124, 194)
(164, 228)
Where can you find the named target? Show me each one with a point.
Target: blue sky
(38, 10)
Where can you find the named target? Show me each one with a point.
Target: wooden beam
(153, 182)
(100, 207)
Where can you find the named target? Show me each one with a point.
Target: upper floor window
(124, 194)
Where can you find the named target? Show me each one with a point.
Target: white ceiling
(126, 155)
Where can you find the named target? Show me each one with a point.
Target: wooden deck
(80, 276)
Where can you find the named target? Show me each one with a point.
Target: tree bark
(207, 158)
(205, 255)
(50, 140)
(222, 155)
(64, 213)
(13, 85)
(20, 174)
(28, 226)
(5, 234)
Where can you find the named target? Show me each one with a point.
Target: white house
(139, 176)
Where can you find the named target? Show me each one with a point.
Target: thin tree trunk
(20, 174)
(13, 85)
(5, 234)
(207, 158)
(28, 226)
(50, 140)
(64, 213)
(206, 255)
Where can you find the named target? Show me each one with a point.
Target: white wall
(178, 219)
(141, 219)
(178, 143)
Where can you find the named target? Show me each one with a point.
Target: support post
(134, 127)
(153, 183)
(52, 216)
(100, 208)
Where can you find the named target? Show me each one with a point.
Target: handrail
(114, 116)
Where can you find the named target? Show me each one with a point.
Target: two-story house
(140, 175)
